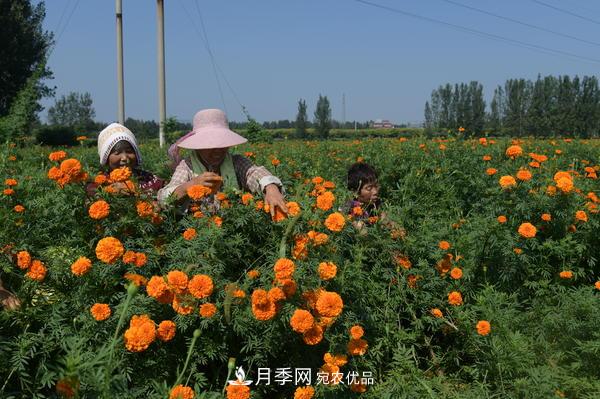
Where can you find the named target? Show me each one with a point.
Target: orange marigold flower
(181, 306)
(436, 313)
(358, 387)
(456, 273)
(483, 327)
(275, 162)
(157, 287)
(276, 294)
(140, 334)
(100, 179)
(246, 198)
(335, 222)
(144, 209)
(198, 191)
(289, 286)
(23, 260)
(302, 321)
(181, 392)
(581, 216)
(329, 304)
(357, 347)
(217, 221)
(524, 175)
(10, 182)
(37, 271)
(534, 164)
(177, 280)
(120, 174)
(597, 285)
(57, 156)
(67, 387)
(129, 257)
(328, 185)
(507, 181)
(189, 234)
(514, 151)
(327, 270)
(551, 190)
(293, 208)
(356, 332)
(263, 309)
(402, 260)
(100, 311)
(306, 392)
(560, 175)
(565, 184)
(235, 391)
(136, 279)
(70, 168)
(201, 286)
(279, 215)
(444, 245)
(208, 310)
(8, 191)
(487, 158)
(491, 171)
(252, 274)
(546, 217)
(314, 335)
(317, 180)
(455, 298)
(527, 230)
(518, 251)
(335, 360)
(81, 266)
(140, 259)
(109, 249)
(99, 210)
(566, 274)
(318, 238)
(325, 201)
(19, 208)
(260, 297)
(501, 219)
(284, 268)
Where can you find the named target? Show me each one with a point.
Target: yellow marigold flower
(200, 286)
(327, 270)
(329, 304)
(81, 266)
(527, 230)
(437, 313)
(140, 334)
(57, 156)
(456, 273)
(284, 268)
(109, 249)
(100, 311)
(455, 298)
(23, 260)
(546, 217)
(314, 335)
(177, 280)
(356, 332)
(302, 321)
(238, 391)
(483, 327)
(198, 191)
(514, 151)
(335, 222)
(208, 310)
(566, 274)
(120, 174)
(581, 216)
(306, 392)
(99, 210)
(507, 181)
(189, 234)
(357, 347)
(37, 271)
(501, 219)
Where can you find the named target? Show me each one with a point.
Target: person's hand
(8, 300)
(274, 198)
(207, 179)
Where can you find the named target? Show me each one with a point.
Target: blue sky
(274, 52)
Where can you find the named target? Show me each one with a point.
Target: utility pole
(121, 90)
(160, 32)
(343, 110)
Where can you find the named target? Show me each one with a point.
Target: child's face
(368, 193)
(122, 154)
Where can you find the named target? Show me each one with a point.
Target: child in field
(117, 147)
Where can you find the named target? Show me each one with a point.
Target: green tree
(301, 120)
(74, 110)
(23, 51)
(428, 117)
(496, 116)
(323, 117)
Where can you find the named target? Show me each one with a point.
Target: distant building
(382, 124)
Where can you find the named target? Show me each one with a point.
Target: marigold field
(487, 284)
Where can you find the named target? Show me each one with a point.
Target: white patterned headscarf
(110, 136)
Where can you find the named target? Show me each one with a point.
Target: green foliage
(74, 110)
(56, 135)
(322, 118)
(301, 120)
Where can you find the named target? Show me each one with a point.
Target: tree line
(548, 106)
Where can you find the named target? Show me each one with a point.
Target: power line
(515, 42)
(566, 12)
(521, 22)
(67, 22)
(64, 28)
(62, 15)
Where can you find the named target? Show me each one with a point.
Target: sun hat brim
(209, 137)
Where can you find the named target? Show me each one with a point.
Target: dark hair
(360, 174)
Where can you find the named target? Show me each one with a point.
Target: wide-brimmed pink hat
(211, 130)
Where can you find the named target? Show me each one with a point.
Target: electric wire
(566, 12)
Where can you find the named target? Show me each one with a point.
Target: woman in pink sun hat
(212, 165)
